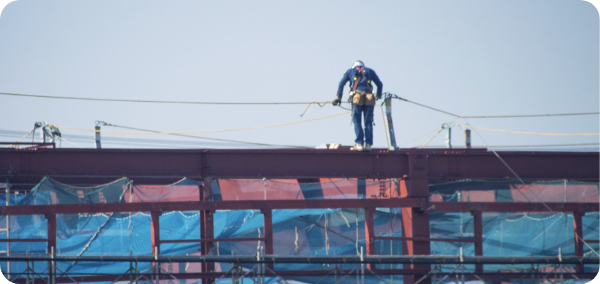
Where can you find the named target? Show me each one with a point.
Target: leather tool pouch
(358, 99)
(370, 99)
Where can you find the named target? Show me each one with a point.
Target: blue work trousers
(366, 112)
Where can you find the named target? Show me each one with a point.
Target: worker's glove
(336, 102)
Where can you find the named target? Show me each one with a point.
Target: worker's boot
(367, 147)
(357, 147)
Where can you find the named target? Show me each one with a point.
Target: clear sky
(466, 57)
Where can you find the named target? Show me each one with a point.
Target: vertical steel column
(370, 234)
(207, 225)
(268, 228)
(155, 230)
(202, 228)
(155, 234)
(52, 269)
(578, 231)
(8, 227)
(203, 225)
(51, 239)
(478, 232)
(414, 220)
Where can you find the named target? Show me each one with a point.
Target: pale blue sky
(465, 57)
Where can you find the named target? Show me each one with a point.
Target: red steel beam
(212, 205)
(268, 230)
(155, 230)
(224, 240)
(51, 231)
(478, 234)
(209, 228)
(51, 239)
(416, 203)
(23, 240)
(426, 239)
(160, 166)
(206, 223)
(578, 232)
(415, 221)
(370, 234)
(309, 273)
(513, 207)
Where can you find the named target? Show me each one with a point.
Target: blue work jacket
(352, 75)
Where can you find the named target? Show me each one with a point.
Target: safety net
(296, 232)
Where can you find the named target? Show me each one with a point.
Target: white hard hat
(358, 63)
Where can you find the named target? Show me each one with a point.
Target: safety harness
(362, 72)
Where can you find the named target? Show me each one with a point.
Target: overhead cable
(320, 105)
(541, 146)
(198, 132)
(422, 105)
(534, 115)
(440, 130)
(530, 133)
(134, 141)
(411, 140)
(522, 146)
(207, 138)
(159, 102)
(494, 116)
(21, 139)
(176, 143)
(63, 139)
(289, 103)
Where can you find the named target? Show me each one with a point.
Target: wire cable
(197, 132)
(214, 139)
(494, 116)
(21, 139)
(554, 145)
(287, 103)
(534, 115)
(411, 140)
(436, 134)
(320, 105)
(530, 133)
(63, 139)
(157, 102)
(428, 107)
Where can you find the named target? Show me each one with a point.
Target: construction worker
(363, 101)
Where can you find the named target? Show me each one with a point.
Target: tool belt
(361, 98)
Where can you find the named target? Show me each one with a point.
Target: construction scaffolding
(309, 216)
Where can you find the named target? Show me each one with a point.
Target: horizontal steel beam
(23, 240)
(514, 207)
(299, 204)
(164, 166)
(421, 239)
(223, 240)
(343, 259)
(211, 205)
(310, 273)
